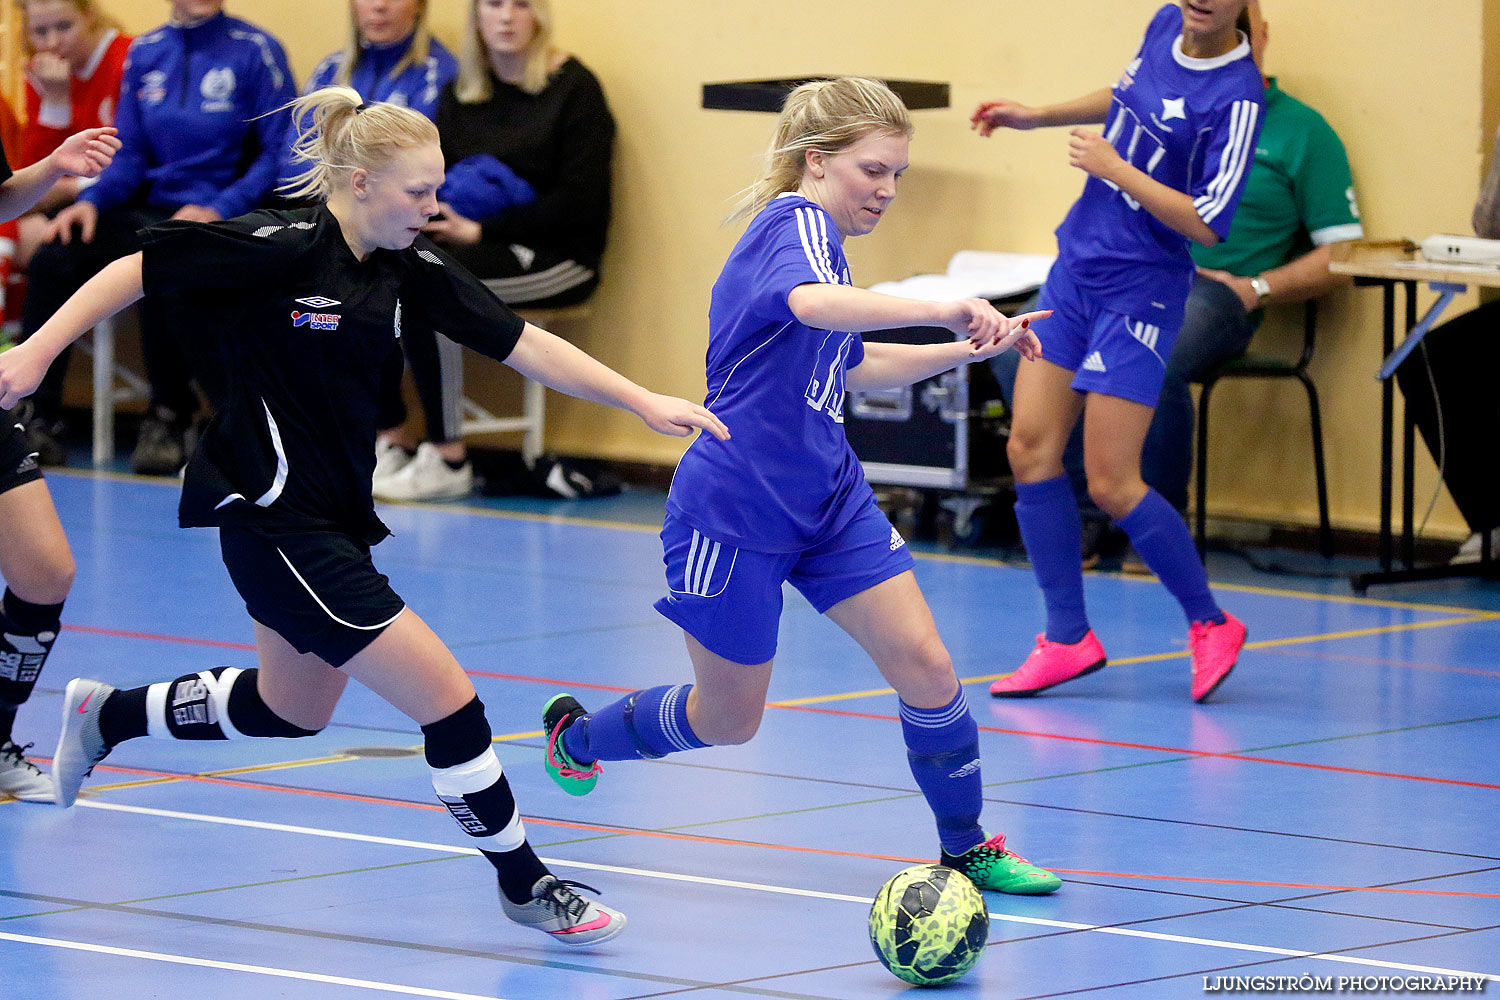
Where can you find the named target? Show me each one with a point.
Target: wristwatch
(1261, 286)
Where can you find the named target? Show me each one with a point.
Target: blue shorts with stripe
(1108, 352)
(316, 588)
(729, 599)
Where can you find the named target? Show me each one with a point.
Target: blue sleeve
(127, 171)
(799, 248)
(1220, 176)
(271, 78)
(430, 78)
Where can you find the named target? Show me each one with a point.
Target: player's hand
(21, 371)
(972, 318)
(678, 417)
(1091, 152)
(197, 213)
(1240, 286)
(86, 153)
(82, 214)
(990, 115)
(52, 75)
(452, 228)
(1016, 332)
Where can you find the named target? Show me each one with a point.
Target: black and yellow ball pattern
(929, 925)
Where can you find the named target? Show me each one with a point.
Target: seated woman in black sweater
(527, 137)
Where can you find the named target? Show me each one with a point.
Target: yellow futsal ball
(929, 925)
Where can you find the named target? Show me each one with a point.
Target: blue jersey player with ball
(786, 500)
(1179, 136)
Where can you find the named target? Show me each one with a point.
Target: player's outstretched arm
(103, 295)
(891, 366)
(1090, 109)
(84, 154)
(559, 365)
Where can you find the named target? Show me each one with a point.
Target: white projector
(1462, 250)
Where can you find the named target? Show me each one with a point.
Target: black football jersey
(306, 330)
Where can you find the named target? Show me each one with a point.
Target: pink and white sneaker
(1049, 664)
(558, 910)
(1215, 649)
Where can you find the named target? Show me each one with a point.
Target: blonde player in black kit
(310, 305)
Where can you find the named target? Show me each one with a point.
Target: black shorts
(18, 464)
(317, 589)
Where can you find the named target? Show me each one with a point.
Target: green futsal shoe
(990, 866)
(572, 777)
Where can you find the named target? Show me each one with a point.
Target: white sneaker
(79, 745)
(1469, 551)
(557, 909)
(390, 458)
(427, 477)
(19, 777)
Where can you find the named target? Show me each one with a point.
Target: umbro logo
(1094, 363)
(318, 302)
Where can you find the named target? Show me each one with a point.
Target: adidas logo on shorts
(896, 540)
(1093, 363)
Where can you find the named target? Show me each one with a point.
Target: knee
(49, 580)
(925, 674)
(1116, 494)
(1030, 457)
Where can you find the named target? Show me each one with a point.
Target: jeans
(1215, 328)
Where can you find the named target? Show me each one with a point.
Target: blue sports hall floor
(1330, 816)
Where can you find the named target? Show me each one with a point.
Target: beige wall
(1404, 83)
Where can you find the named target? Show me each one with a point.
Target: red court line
(119, 634)
(1095, 741)
(1090, 740)
(733, 842)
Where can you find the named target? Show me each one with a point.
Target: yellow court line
(948, 557)
(249, 769)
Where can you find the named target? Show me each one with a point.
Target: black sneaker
(158, 447)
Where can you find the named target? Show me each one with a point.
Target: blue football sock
(1161, 538)
(642, 725)
(1052, 529)
(942, 747)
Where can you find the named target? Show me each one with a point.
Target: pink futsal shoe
(1049, 664)
(1215, 649)
(558, 910)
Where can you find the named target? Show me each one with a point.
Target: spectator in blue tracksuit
(390, 56)
(202, 141)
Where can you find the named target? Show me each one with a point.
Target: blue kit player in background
(1179, 136)
(786, 498)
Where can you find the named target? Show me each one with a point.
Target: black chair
(1260, 366)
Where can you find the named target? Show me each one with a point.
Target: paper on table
(974, 273)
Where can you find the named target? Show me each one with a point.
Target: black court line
(74, 905)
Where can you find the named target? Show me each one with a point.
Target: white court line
(259, 970)
(760, 887)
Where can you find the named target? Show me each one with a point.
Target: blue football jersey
(1190, 124)
(788, 478)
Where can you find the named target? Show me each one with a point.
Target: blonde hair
(828, 116)
(473, 84)
(337, 131)
(416, 53)
(102, 22)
